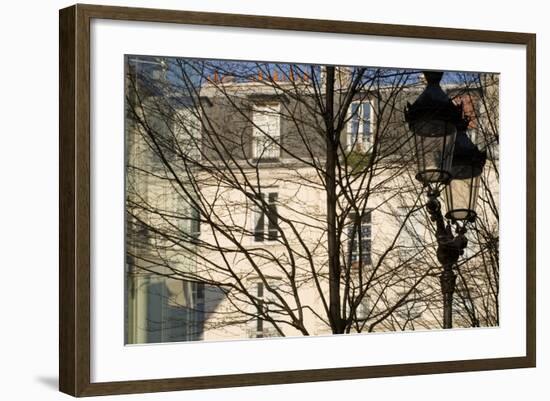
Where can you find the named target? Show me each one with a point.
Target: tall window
(265, 218)
(360, 240)
(265, 305)
(195, 223)
(266, 133)
(359, 127)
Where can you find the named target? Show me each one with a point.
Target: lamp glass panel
(461, 197)
(434, 141)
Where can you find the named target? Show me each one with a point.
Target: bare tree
(256, 184)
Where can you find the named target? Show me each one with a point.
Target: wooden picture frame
(74, 203)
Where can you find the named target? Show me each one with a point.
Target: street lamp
(433, 119)
(446, 158)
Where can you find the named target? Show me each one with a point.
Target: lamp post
(446, 159)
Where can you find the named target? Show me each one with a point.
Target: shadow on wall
(179, 314)
(49, 382)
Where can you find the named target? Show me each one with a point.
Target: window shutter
(259, 318)
(352, 242)
(366, 235)
(366, 120)
(354, 123)
(273, 222)
(195, 223)
(259, 221)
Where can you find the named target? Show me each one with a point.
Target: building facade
(234, 187)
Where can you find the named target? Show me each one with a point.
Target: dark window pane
(273, 223)
(366, 245)
(259, 223)
(259, 227)
(366, 119)
(367, 217)
(195, 223)
(354, 122)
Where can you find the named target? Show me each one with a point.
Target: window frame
(258, 327)
(354, 250)
(266, 110)
(270, 231)
(359, 119)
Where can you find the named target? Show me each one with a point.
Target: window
(360, 240)
(266, 218)
(359, 127)
(265, 305)
(363, 309)
(266, 132)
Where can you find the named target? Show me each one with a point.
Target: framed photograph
(250, 200)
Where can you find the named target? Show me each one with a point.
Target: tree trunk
(330, 177)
